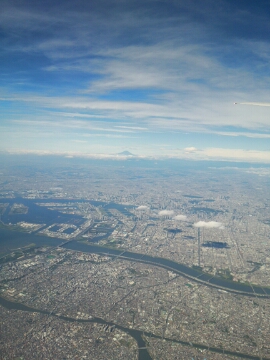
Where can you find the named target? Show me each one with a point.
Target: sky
(156, 78)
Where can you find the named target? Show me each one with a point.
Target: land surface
(60, 299)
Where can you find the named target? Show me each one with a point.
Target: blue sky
(157, 78)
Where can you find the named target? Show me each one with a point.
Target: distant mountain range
(126, 153)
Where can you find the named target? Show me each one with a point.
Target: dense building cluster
(61, 303)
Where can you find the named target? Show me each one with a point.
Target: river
(14, 239)
(193, 274)
(136, 334)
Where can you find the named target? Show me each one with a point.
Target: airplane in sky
(253, 103)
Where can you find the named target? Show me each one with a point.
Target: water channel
(136, 334)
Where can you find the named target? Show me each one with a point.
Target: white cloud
(142, 207)
(180, 217)
(72, 154)
(190, 149)
(155, 115)
(65, 124)
(254, 103)
(147, 153)
(237, 154)
(244, 134)
(132, 128)
(208, 224)
(218, 154)
(166, 213)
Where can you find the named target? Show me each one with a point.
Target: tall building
(199, 246)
